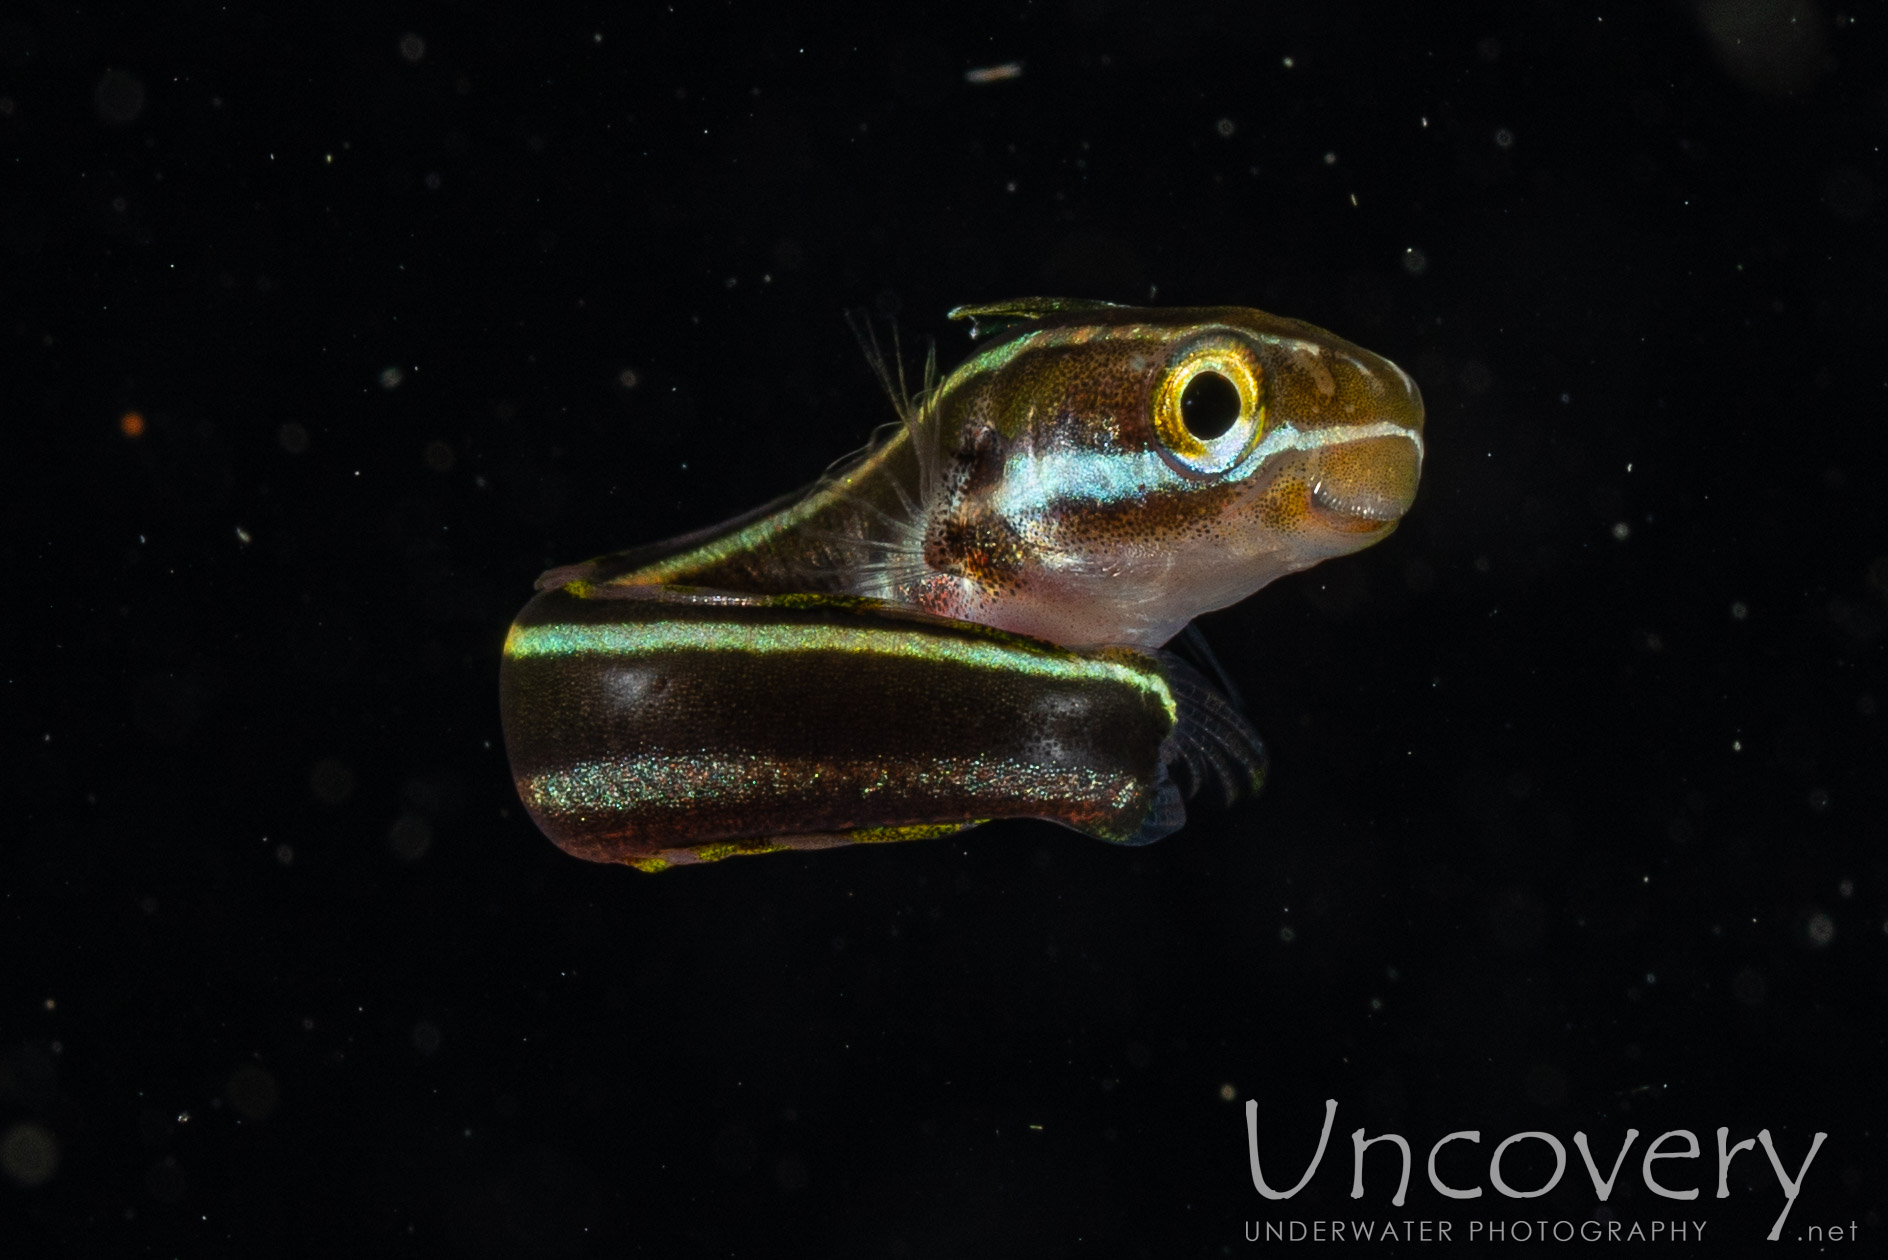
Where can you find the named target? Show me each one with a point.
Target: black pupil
(1209, 406)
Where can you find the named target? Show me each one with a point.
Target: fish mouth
(1367, 485)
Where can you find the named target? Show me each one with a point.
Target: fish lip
(1353, 515)
(1354, 505)
(1343, 520)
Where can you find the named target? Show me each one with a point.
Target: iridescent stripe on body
(631, 639)
(1039, 482)
(626, 784)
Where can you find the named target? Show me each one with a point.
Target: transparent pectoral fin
(1212, 743)
(1192, 647)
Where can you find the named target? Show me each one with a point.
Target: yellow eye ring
(1220, 446)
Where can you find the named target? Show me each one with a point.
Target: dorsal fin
(989, 317)
(889, 370)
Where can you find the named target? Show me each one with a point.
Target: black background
(1575, 814)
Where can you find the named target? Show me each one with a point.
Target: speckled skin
(1037, 490)
(956, 625)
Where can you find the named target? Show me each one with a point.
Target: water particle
(410, 837)
(119, 97)
(994, 74)
(331, 782)
(29, 1154)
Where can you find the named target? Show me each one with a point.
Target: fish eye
(1209, 407)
